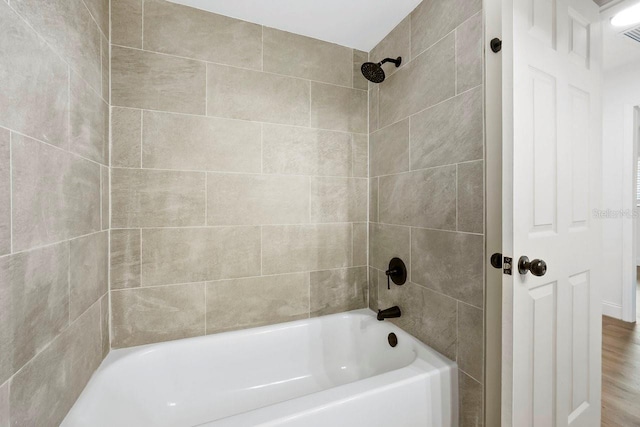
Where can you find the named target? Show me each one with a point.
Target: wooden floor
(621, 371)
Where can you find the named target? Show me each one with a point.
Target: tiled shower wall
(239, 174)
(426, 186)
(54, 80)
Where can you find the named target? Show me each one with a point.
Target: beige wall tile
(373, 288)
(88, 271)
(153, 198)
(471, 402)
(176, 141)
(125, 259)
(295, 150)
(338, 199)
(359, 58)
(106, 210)
(175, 255)
(374, 98)
(4, 405)
(105, 315)
(470, 340)
(89, 122)
(34, 83)
(334, 291)
(45, 389)
(434, 19)
(471, 197)
(469, 54)
(427, 315)
(34, 304)
(106, 81)
(426, 81)
(386, 242)
(126, 23)
(396, 43)
(338, 108)
(100, 11)
(142, 316)
(360, 145)
(435, 209)
(152, 81)
(126, 137)
(299, 56)
(360, 246)
(236, 199)
(251, 95)
(449, 263)
(69, 28)
(5, 192)
(67, 201)
(193, 33)
(256, 301)
(287, 249)
(448, 133)
(390, 149)
(373, 199)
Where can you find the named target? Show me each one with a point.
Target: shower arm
(397, 61)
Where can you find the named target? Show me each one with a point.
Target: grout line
(430, 168)
(47, 245)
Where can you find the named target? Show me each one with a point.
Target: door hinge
(506, 265)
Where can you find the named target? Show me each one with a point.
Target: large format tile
(426, 81)
(389, 149)
(34, 303)
(34, 83)
(360, 144)
(335, 291)
(105, 182)
(185, 31)
(338, 108)
(373, 199)
(88, 271)
(373, 288)
(396, 44)
(251, 95)
(4, 405)
(56, 195)
(359, 58)
(175, 255)
(89, 122)
(451, 132)
(236, 199)
(100, 11)
(469, 54)
(5, 192)
(256, 301)
(106, 68)
(292, 248)
(374, 107)
(105, 316)
(471, 402)
(299, 56)
(450, 263)
(470, 340)
(434, 19)
(153, 81)
(360, 243)
(425, 198)
(153, 198)
(386, 242)
(176, 141)
(471, 197)
(125, 259)
(147, 315)
(47, 387)
(300, 151)
(126, 137)
(126, 23)
(427, 315)
(69, 28)
(338, 199)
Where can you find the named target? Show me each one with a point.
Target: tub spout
(389, 313)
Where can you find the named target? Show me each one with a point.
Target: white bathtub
(336, 370)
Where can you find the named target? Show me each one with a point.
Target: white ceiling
(358, 24)
(619, 49)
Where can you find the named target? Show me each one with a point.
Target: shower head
(374, 72)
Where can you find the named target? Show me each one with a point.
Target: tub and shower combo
(345, 369)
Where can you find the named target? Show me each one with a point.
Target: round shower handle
(537, 267)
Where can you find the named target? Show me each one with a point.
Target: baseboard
(612, 310)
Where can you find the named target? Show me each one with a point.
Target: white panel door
(552, 150)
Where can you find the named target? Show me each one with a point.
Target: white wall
(621, 94)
